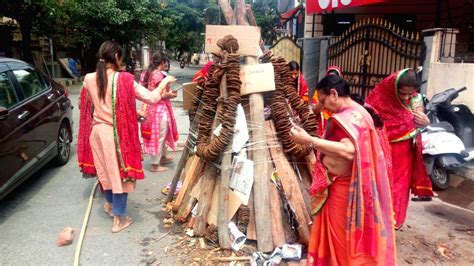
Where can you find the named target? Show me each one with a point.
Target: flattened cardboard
(188, 94)
(257, 78)
(248, 37)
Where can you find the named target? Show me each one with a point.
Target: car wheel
(439, 178)
(63, 145)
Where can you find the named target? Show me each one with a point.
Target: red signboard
(317, 6)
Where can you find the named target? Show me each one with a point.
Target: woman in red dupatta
(108, 145)
(353, 224)
(159, 129)
(392, 100)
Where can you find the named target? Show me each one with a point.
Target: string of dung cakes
(230, 65)
(201, 84)
(285, 89)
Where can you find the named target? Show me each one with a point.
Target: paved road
(54, 198)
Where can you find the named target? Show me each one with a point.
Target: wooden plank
(290, 184)
(261, 160)
(251, 228)
(222, 228)
(257, 78)
(248, 37)
(278, 232)
(204, 200)
(191, 175)
(190, 142)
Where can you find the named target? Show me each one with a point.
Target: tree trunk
(25, 29)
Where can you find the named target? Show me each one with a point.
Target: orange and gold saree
(354, 223)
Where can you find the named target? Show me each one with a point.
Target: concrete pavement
(54, 198)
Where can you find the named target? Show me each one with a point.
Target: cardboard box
(188, 94)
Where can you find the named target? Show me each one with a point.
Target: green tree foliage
(28, 14)
(267, 17)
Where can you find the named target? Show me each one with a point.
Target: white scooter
(446, 138)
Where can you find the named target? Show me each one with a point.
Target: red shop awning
(317, 6)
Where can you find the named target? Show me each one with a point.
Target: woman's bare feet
(108, 209)
(120, 223)
(165, 160)
(158, 168)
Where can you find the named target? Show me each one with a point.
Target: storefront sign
(317, 6)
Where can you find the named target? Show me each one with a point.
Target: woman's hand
(421, 119)
(301, 136)
(170, 79)
(168, 95)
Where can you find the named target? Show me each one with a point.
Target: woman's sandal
(108, 209)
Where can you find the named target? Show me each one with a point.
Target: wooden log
(250, 16)
(204, 200)
(222, 228)
(251, 230)
(290, 181)
(227, 11)
(209, 177)
(278, 232)
(230, 259)
(190, 142)
(261, 160)
(240, 13)
(190, 200)
(185, 208)
(194, 170)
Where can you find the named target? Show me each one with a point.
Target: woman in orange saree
(392, 99)
(351, 194)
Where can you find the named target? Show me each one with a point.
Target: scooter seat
(441, 126)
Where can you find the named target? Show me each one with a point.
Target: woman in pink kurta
(159, 129)
(108, 144)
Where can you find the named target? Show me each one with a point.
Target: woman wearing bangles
(351, 194)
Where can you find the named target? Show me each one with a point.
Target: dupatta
(125, 128)
(399, 124)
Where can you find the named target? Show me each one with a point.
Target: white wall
(443, 76)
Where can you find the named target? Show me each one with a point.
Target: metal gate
(372, 49)
(288, 49)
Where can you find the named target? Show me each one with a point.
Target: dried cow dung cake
(229, 64)
(286, 93)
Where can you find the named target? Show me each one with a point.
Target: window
(336, 24)
(31, 84)
(403, 21)
(7, 94)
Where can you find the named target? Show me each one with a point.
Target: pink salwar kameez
(160, 129)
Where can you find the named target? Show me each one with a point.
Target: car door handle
(23, 114)
(50, 96)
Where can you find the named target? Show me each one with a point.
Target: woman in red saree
(392, 98)
(108, 145)
(159, 129)
(351, 194)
